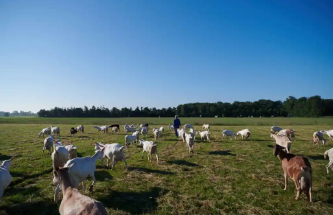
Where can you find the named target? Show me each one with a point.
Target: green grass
(269, 121)
(221, 177)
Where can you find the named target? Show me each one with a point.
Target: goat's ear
(70, 166)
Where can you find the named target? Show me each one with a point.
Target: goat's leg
(329, 165)
(149, 157)
(91, 189)
(124, 159)
(285, 181)
(56, 194)
(156, 157)
(142, 154)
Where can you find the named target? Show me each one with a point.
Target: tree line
(313, 106)
(16, 113)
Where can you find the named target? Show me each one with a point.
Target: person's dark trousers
(176, 132)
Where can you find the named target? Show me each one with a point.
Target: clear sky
(162, 53)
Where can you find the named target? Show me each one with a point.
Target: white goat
(80, 128)
(112, 152)
(188, 126)
(190, 141)
(144, 131)
(161, 129)
(156, 134)
(181, 133)
(204, 134)
(55, 130)
(329, 134)
(59, 156)
(46, 131)
(244, 133)
(5, 177)
(103, 128)
(137, 134)
(282, 141)
(81, 169)
(329, 153)
(72, 151)
(275, 129)
(129, 129)
(205, 126)
(129, 139)
(171, 127)
(48, 143)
(150, 147)
(228, 133)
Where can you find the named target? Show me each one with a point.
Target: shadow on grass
(132, 202)
(270, 146)
(102, 175)
(227, 152)
(40, 207)
(84, 137)
(142, 169)
(26, 177)
(5, 157)
(182, 163)
(316, 157)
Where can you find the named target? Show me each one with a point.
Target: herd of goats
(70, 170)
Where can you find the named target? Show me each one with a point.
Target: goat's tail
(325, 154)
(305, 180)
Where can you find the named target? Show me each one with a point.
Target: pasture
(221, 177)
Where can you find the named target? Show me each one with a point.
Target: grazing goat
(156, 134)
(161, 129)
(137, 134)
(282, 141)
(72, 151)
(48, 143)
(228, 133)
(205, 126)
(105, 129)
(59, 156)
(144, 131)
(46, 131)
(5, 176)
(244, 133)
(329, 153)
(79, 172)
(318, 135)
(129, 139)
(80, 128)
(329, 134)
(288, 133)
(189, 138)
(115, 130)
(181, 133)
(298, 169)
(129, 129)
(188, 126)
(73, 131)
(275, 129)
(171, 127)
(115, 125)
(113, 151)
(73, 202)
(150, 147)
(204, 134)
(55, 130)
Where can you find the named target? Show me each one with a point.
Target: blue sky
(162, 53)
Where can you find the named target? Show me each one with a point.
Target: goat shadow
(102, 175)
(227, 152)
(25, 177)
(40, 207)
(132, 202)
(142, 169)
(183, 163)
(5, 157)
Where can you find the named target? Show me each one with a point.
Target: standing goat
(5, 176)
(298, 169)
(150, 147)
(46, 131)
(73, 202)
(282, 141)
(55, 130)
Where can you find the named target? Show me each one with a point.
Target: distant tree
(6, 114)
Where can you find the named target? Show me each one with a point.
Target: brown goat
(74, 202)
(298, 169)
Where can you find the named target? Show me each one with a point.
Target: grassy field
(221, 177)
(165, 121)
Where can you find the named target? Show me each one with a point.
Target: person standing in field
(176, 124)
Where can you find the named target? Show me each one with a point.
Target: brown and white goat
(73, 201)
(298, 169)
